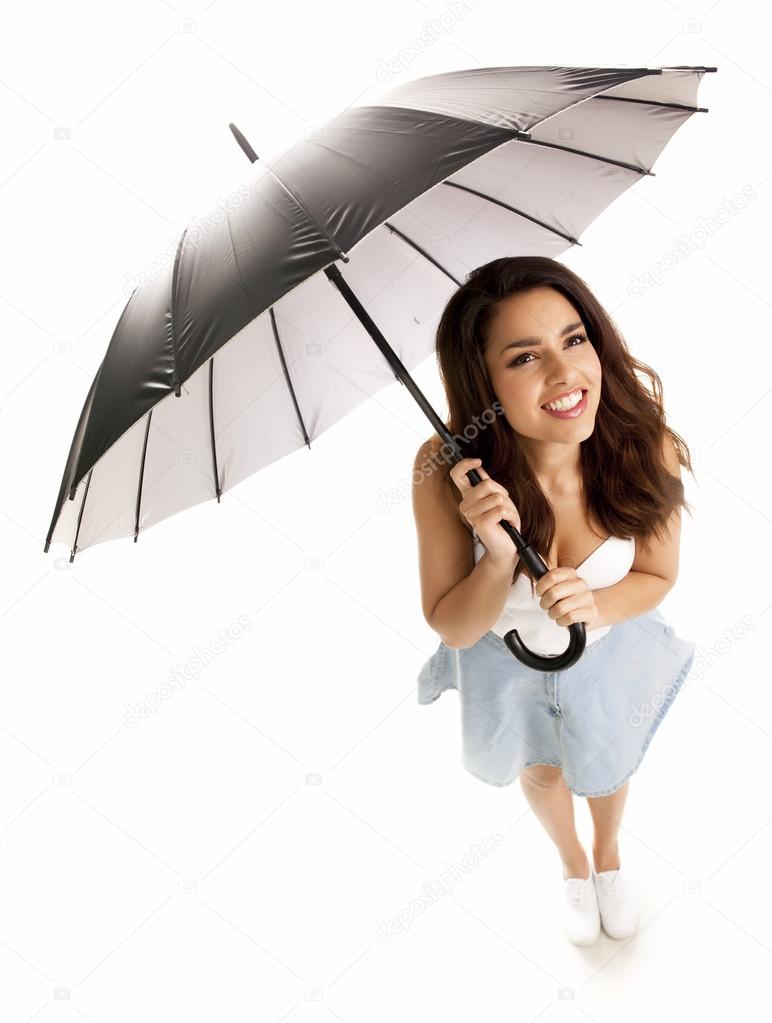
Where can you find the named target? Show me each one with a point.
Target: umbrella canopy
(243, 352)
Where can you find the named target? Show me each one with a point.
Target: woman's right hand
(484, 506)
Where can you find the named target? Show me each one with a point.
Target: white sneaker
(617, 894)
(580, 916)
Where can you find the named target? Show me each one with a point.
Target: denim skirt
(594, 720)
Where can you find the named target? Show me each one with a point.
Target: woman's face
(553, 360)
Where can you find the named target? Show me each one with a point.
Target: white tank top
(606, 565)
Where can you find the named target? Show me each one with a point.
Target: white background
(233, 855)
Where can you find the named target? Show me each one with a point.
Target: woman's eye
(575, 337)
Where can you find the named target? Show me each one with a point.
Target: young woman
(545, 403)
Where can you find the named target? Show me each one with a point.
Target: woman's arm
(461, 600)
(634, 595)
(474, 605)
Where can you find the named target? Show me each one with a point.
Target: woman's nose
(559, 368)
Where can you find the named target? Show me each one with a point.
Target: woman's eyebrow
(524, 342)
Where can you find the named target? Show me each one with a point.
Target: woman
(545, 403)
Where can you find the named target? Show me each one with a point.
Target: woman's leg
(551, 801)
(607, 816)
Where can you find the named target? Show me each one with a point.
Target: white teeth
(566, 403)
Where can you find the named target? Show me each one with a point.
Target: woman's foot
(617, 894)
(579, 913)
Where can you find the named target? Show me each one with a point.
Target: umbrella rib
(655, 103)
(520, 213)
(80, 516)
(253, 158)
(325, 234)
(211, 430)
(592, 156)
(273, 318)
(287, 378)
(423, 252)
(173, 315)
(141, 474)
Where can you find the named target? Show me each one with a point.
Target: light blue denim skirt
(594, 720)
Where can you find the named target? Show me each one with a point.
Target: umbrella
(211, 374)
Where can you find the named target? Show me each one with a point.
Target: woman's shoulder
(430, 461)
(429, 449)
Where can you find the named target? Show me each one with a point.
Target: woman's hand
(566, 597)
(484, 506)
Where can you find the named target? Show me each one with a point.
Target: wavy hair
(625, 482)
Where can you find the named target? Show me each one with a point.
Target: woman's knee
(543, 776)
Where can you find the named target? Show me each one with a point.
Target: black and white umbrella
(212, 371)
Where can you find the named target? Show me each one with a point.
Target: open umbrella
(213, 370)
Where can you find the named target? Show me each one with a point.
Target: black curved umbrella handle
(535, 563)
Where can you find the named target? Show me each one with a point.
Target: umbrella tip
(242, 141)
(45, 549)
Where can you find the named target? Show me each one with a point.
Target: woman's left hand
(566, 597)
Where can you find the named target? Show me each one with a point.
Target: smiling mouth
(581, 391)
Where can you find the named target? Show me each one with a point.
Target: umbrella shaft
(400, 370)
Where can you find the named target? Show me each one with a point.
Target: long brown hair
(626, 484)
